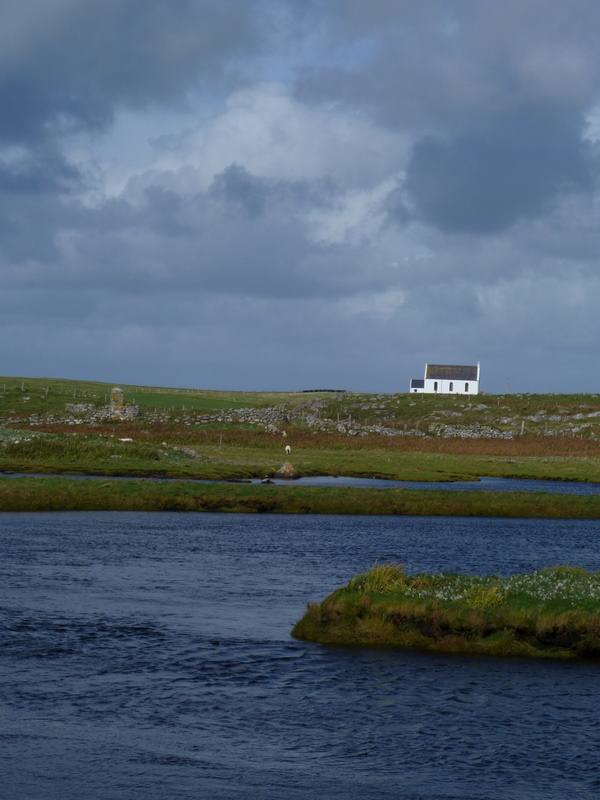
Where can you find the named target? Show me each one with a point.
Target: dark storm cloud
(431, 64)
(35, 187)
(43, 171)
(494, 96)
(68, 62)
(511, 169)
(398, 182)
(243, 236)
(238, 189)
(237, 185)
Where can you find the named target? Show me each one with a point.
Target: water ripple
(149, 656)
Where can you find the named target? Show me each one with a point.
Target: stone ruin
(79, 409)
(118, 408)
(117, 403)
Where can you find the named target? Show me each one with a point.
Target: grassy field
(25, 396)
(552, 613)
(230, 453)
(191, 433)
(573, 416)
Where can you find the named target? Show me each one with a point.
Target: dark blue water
(148, 656)
(484, 484)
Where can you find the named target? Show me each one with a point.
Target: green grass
(64, 494)
(539, 414)
(25, 396)
(551, 613)
(165, 431)
(149, 454)
(559, 415)
(111, 456)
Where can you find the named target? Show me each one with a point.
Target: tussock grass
(382, 578)
(550, 613)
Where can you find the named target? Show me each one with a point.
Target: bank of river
(91, 493)
(483, 484)
(149, 655)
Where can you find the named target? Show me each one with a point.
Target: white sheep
(288, 449)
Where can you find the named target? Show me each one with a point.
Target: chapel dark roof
(452, 372)
(417, 383)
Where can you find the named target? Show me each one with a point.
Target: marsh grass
(56, 493)
(550, 613)
(236, 453)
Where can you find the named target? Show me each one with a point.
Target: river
(483, 484)
(148, 656)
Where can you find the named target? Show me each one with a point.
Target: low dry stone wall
(313, 416)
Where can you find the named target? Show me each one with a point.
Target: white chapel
(448, 379)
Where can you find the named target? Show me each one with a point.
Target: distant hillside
(403, 414)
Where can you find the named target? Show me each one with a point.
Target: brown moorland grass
(229, 435)
(233, 453)
(535, 446)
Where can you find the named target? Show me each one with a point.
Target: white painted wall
(450, 387)
(433, 386)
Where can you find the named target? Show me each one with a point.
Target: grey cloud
(493, 96)
(488, 178)
(27, 232)
(489, 102)
(41, 171)
(243, 342)
(242, 236)
(396, 206)
(430, 64)
(237, 185)
(39, 198)
(240, 188)
(66, 61)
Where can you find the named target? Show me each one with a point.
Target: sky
(274, 194)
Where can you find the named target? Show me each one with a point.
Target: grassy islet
(550, 613)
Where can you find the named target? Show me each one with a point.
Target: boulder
(287, 471)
